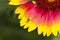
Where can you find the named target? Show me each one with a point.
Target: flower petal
(23, 9)
(17, 2)
(23, 21)
(32, 27)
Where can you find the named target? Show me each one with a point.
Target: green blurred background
(10, 29)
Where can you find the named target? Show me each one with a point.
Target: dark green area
(10, 29)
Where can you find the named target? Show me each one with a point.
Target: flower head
(41, 14)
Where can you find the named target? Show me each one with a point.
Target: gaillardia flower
(43, 15)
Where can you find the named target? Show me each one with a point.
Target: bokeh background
(10, 28)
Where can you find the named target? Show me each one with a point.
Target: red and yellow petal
(33, 17)
(23, 9)
(17, 2)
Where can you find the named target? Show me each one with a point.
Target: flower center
(48, 4)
